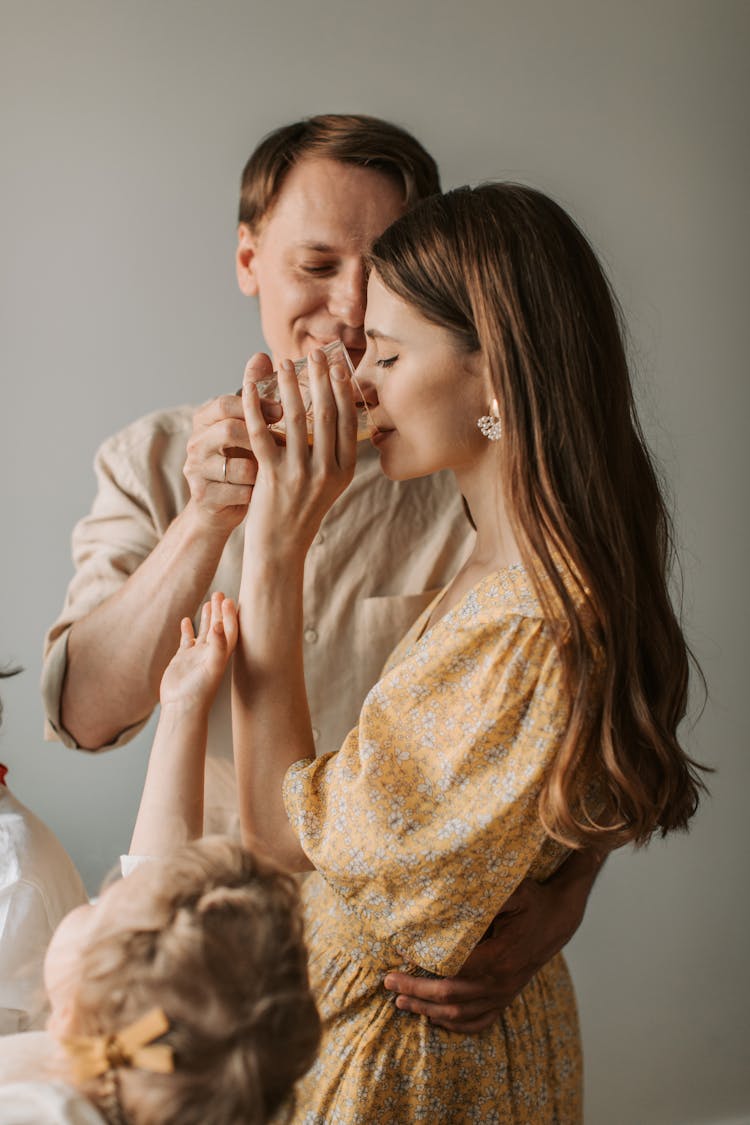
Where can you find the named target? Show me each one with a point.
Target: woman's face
(124, 904)
(425, 393)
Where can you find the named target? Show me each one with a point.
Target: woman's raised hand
(298, 482)
(192, 677)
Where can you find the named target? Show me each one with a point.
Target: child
(39, 884)
(182, 995)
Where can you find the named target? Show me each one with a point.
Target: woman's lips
(380, 436)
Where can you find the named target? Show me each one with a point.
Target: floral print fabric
(420, 828)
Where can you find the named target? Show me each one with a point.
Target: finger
(259, 366)
(218, 409)
(295, 415)
(263, 446)
(205, 621)
(227, 435)
(217, 625)
(257, 369)
(324, 410)
(187, 636)
(442, 990)
(226, 467)
(231, 625)
(468, 1027)
(447, 1013)
(346, 416)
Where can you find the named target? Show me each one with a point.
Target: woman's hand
(297, 482)
(296, 485)
(192, 677)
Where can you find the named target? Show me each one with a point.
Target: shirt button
(311, 636)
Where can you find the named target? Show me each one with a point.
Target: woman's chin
(395, 472)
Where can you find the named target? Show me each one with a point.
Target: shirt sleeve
(36, 1102)
(140, 489)
(24, 936)
(129, 863)
(427, 820)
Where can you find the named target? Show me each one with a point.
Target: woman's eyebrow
(375, 334)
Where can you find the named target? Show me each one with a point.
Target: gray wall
(123, 129)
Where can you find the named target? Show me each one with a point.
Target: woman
(531, 710)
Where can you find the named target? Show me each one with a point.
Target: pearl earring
(490, 424)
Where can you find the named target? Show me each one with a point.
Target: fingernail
(388, 983)
(287, 365)
(317, 355)
(339, 372)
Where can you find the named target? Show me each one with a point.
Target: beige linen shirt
(383, 551)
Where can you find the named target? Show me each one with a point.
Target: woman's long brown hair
(509, 273)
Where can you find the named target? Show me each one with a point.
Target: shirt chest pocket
(380, 625)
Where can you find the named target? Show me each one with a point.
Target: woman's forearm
(270, 715)
(295, 487)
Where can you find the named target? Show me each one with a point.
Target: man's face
(305, 261)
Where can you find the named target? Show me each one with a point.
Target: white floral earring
(490, 424)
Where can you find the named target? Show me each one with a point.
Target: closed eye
(318, 269)
(389, 362)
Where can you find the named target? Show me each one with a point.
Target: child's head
(213, 937)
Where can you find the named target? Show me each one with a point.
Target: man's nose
(348, 296)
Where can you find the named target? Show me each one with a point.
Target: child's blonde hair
(224, 958)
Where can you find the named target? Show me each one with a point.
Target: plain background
(123, 131)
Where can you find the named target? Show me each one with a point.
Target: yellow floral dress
(420, 828)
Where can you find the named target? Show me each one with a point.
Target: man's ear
(245, 261)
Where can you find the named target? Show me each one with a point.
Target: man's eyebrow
(320, 247)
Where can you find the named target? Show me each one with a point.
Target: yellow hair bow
(92, 1055)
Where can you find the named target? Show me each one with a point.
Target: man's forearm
(118, 652)
(580, 869)
(571, 884)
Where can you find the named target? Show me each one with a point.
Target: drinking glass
(335, 352)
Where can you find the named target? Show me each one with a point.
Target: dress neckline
(425, 625)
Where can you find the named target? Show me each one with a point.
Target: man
(174, 488)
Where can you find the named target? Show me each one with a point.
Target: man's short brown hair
(351, 138)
